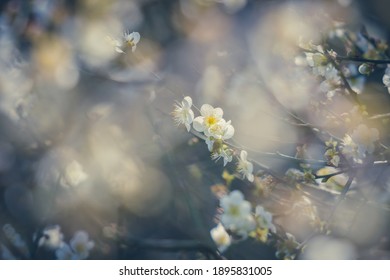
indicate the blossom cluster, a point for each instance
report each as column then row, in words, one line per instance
column 239, row 220
column 215, row 131
column 77, row 249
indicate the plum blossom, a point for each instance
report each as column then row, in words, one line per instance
column 225, row 153
column 264, row 219
column 128, row 40
column 245, row 167
column 237, row 213
column 209, row 117
column 221, row 237
column 77, row 249
column 183, row 113
column 221, row 130
column 51, row 237
column 81, row 245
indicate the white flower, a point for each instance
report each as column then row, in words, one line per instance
column 209, row 117
column 128, row 40
column 225, row 153
column 365, row 139
column 221, row 237
column 264, row 218
column 221, row 130
column 74, row 174
column 245, row 167
column 52, row 237
column 131, row 40
column 237, row 213
column 183, row 113
column 81, row 245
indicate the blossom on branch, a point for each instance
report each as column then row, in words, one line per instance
column 183, row 113
column 245, row 167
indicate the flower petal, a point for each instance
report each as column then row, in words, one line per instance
column 198, row 124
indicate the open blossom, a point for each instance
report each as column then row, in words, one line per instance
column 51, row 237
column 225, row 153
column 209, row 117
column 220, row 130
column 129, row 40
column 237, row 215
column 183, row 113
column 221, row 237
column 264, row 218
column 245, row 167
column 81, row 245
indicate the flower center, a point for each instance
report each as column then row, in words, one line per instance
column 210, row 120
column 234, row 210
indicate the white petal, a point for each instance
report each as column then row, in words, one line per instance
column 229, row 132
column 218, row 112
column 187, row 102
column 243, row 155
column 189, row 116
column 206, row 110
column 250, row 177
column 135, row 36
column 198, row 124
column 236, row 196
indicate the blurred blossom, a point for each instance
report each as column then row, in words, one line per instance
column 287, row 248
column 81, row 245
column 221, row 237
column 245, row 167
column 237, row 214
column 51, row 237
column 328, row 248
column 264, row 219
column 74, row 174
column 183, row 113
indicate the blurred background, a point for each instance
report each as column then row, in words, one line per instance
column 87, row 141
